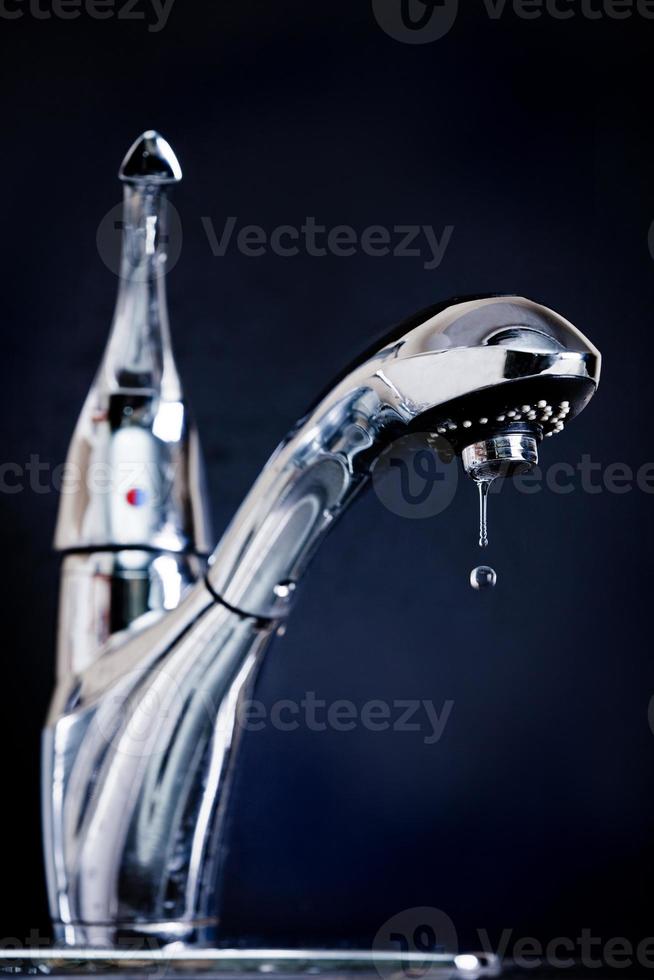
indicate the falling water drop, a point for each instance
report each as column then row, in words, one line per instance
column 483, row 577
column 483, row 487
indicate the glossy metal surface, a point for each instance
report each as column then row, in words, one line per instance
column 501, row 455
column 133, row 517
column 150, row 159
column 424, row 378
column 243, row 962
column 137, row 764
column 103, row 593
column 140, row 747
column 134, row 471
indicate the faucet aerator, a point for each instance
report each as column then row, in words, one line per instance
column 505, row 454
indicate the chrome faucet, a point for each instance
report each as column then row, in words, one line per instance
column 140, row 747
column 133, row 522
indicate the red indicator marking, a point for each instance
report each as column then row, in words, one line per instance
column 136, row 497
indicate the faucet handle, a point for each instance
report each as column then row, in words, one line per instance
column 133, row 517
column 150, row 160
column 134, row 429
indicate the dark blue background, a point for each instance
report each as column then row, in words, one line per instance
column 534, row 139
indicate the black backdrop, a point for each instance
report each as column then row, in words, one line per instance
column 533, row 139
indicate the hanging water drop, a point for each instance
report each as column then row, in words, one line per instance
column 483, row 486
column 483, row 577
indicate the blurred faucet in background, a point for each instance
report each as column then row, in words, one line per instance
column 133, row 522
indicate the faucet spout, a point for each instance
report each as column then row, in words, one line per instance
column 141, row 746
column 493, row 376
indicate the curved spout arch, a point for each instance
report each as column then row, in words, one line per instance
column 441, row 366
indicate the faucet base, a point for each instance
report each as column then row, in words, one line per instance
column 232, row 963
column 147, row 937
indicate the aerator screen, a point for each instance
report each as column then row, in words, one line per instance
column 540, row 407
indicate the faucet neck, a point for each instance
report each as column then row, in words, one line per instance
column 308, row 482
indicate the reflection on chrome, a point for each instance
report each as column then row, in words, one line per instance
column 178, row 960
column 141, row 743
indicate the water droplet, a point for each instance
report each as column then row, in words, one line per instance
column 483, row 487
column 483, row 577
column 284, row 590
